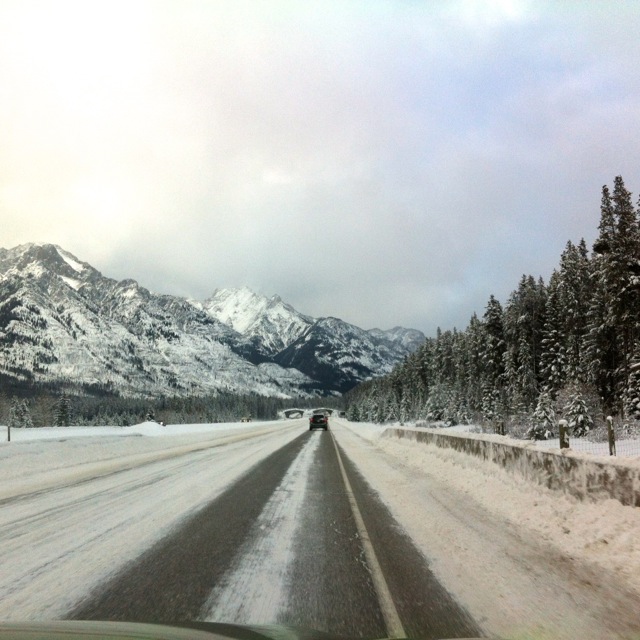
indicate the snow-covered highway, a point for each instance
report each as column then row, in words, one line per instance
column 254, row 524
column 65, row 529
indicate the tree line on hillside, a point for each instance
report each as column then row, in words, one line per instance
column 568, row 348
column 66, row 409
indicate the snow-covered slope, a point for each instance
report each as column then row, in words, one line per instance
column 338, row 353
column 268, row 324
column 333, row 352
column 62, row 321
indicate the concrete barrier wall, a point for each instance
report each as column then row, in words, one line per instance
column 575, row 474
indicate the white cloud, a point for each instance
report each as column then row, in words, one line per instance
column 489, row 14
column 438, row 148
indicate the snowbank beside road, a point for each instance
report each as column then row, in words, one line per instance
column 625, row 447
column 605, row 532
column 510, row 551
column 142, row 429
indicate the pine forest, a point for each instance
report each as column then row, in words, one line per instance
column 569, row 348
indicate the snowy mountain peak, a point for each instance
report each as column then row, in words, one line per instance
column 63, row 322
column 44, row 262
column 409, row 339
column 238, row 308
column 70, row 260
column 269, row 324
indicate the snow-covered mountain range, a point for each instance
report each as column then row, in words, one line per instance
column 63, row 322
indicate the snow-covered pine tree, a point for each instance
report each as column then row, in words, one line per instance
column 493, row 407
column 523, row 324
column 15, row 413
column 25, row 412
column 391, row 410
column 371, row 406
column 404, row 409
column 62, row 416
column 614, row 320
column 553, row 357
column 353, row 412
column 379, row 411
column 578, row 416
column 625, row 256
column 575, row 290
column 632, row 392
column 493, row 355
column 603, row 358
column 472, row 382
column 544, row 418
column 20, row 414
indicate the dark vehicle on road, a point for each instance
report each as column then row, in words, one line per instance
column 318, row 421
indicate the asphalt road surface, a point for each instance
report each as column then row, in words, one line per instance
column 299, row 539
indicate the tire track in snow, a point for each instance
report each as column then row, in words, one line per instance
column 173, row 579
column 255, row 588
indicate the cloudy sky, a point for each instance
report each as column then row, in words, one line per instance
column 384, row 162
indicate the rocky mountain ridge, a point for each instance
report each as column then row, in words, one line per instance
column 63, row 322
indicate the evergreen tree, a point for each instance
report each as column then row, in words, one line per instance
column 471, row 382
column 371, row 405
column 575, row 291
column 493, row 357
column 404, row 409
column 523, row 328
column 614, row 314
column 62, row 416
column 601, row 340
column 25, row 412
column 632, row 392
column 553, row 359
column 578, row 417
column 15, row 413
column 544, row 417
column 353, row 412
column 20, row 414
column 624, row 266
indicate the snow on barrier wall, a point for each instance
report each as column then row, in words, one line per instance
column 572, row 473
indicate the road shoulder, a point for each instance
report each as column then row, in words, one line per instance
column 513, row 583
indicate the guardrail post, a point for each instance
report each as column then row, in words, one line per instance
column 564, row 434
column 612, row 436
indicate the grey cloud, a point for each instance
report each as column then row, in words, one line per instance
column 388, row 163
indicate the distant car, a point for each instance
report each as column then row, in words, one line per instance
column 318, row 421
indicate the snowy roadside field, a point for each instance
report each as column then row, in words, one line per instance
column 49, row 455
column 150, row 429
